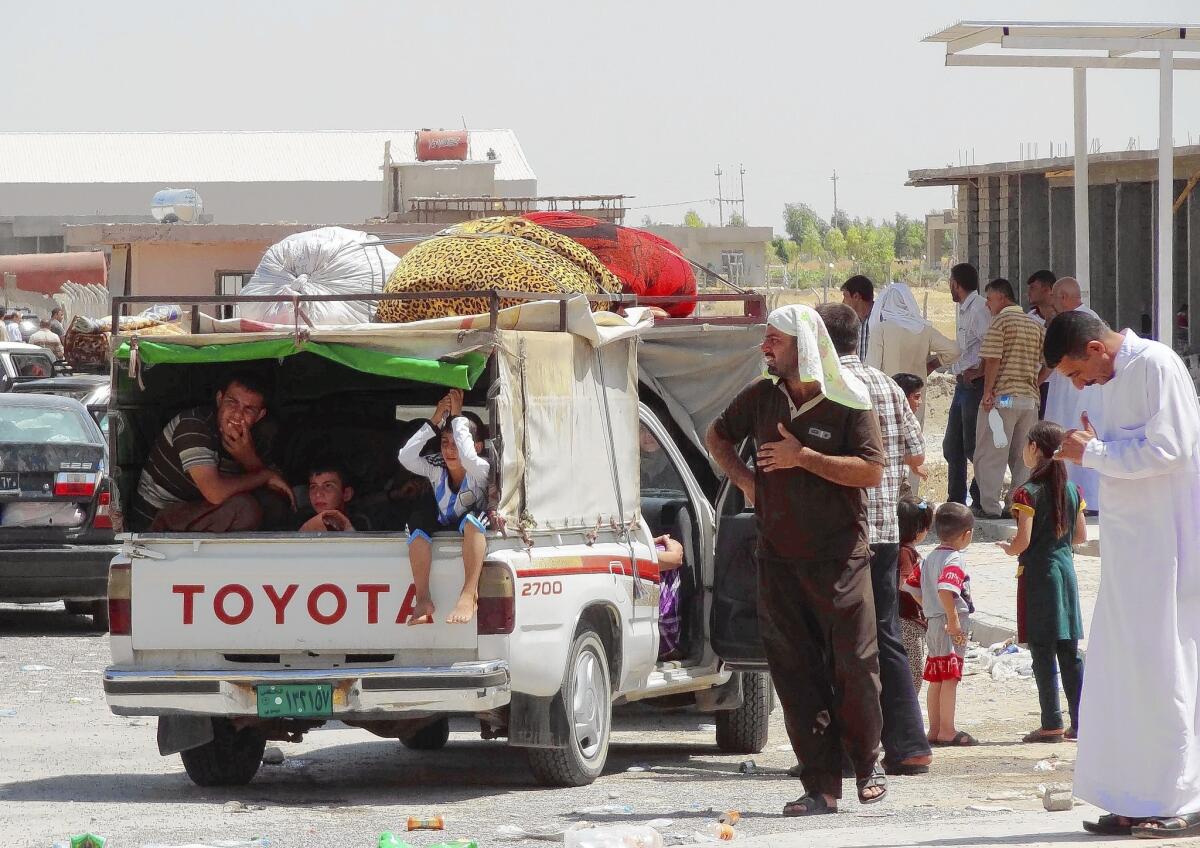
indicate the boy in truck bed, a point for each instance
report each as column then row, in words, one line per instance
column 459, row 500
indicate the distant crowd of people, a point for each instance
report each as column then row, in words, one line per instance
column 46, row 332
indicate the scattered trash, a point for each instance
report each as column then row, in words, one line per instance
column 272, row 756
column 748, row 767
column 78, row 700
column 730, row 817
column 1045, row 765
column 434, row 823
column 387, row 839
column 715, row 832
column 636, row 768
column 616, row 836
column 606, row 810
column 239, row 807
column 83, row 840
column 40, row 668
column 7, row 712
column 1058, row 800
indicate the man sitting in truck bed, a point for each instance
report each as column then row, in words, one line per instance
column 204, row 471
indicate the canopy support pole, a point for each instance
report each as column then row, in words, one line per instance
column 1166, row 185
column 1083, row 251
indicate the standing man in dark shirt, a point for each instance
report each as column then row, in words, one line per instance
column 818, row 450
column 204, row 469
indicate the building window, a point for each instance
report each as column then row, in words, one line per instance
column 733, row 265
column 230, row 283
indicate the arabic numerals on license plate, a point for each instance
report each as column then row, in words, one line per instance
column 312, row 701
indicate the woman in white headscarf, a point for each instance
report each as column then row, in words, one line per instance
column 902, row 341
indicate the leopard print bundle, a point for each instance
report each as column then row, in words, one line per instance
column 492, row 253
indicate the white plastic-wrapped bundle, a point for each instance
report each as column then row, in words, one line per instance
column 331, row 260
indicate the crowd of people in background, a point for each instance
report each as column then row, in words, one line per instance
column 46, row 332
column 1056, row 401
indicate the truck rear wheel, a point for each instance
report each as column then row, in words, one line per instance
column 431, row 737
column 232, row 757
column 586, row 697
column 744, row 730
column 99, row 613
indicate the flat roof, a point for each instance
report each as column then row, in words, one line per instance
column 177, row 159
column 957, row 174
column 85, row 235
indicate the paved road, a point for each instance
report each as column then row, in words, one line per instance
column 68, row 765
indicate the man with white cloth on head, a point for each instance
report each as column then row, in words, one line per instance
column 818, row 450
column 902, row 341
column 1139, row 752
column 1065, row 403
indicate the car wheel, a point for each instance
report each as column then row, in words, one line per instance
column 431, row 737
column 744, row 730
column 586, row 699
column 232, row 757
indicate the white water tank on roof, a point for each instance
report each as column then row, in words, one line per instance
column 177, row 206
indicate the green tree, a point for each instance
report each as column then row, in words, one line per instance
column 856, row 242
column 810, row 241
column 691, row 219
column 736, row 220
column 835, row 243
column 785, row 250
column 795, row 215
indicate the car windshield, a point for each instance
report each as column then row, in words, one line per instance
column 39, row 425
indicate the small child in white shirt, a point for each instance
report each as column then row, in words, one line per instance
column 459, row 501
column 943, row 588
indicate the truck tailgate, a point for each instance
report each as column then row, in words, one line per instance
column 267, row 593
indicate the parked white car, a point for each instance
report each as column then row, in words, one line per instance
column 236, row 639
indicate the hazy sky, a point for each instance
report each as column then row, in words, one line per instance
column 644, row 98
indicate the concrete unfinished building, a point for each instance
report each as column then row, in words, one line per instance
column 1017, row 217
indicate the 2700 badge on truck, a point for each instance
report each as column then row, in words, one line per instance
column 234, row 639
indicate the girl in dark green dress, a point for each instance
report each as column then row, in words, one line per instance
column 1049, row 513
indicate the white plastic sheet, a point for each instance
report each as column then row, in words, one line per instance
column 331, row 260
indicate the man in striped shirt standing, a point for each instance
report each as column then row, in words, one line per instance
column 1013, row 369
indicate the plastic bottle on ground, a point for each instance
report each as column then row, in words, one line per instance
column 715, row 832
column 434, row 823
column 615, row 836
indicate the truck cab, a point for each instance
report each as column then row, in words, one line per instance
column 239, row 638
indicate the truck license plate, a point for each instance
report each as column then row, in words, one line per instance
column 295, row 701
column 9, row 481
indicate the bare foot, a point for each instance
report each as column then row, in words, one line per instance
column 464, row 610
column 422, row 612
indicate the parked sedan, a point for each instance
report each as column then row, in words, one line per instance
column 56, row 530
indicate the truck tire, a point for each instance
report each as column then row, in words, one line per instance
column 99, row 613
column 431, row 737
column 586, row 699
column 744, row 730
column 232, row 757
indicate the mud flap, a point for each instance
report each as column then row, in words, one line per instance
column 535, row 722
column 727, row 696
column 182, row 733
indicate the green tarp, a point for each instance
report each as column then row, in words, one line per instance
column 460, row 373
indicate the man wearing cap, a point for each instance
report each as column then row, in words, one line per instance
column 818, row 449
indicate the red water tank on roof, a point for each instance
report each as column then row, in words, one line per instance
column 441, row 145
column 46, row 272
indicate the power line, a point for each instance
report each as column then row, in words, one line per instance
column 678, row 203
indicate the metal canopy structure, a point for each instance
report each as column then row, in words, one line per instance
column 1079, row 46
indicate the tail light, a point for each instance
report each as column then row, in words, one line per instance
column 103, row 519
column 120, row 610
column 497, row 613
column 74, row 484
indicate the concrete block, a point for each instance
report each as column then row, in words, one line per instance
column 1057, row 800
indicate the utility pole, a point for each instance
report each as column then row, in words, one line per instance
column 834, row 178
column 742, row 171
column 720, row 199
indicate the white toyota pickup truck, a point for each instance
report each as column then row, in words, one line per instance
column 236, row 639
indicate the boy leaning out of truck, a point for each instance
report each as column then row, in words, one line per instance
column 458, row 502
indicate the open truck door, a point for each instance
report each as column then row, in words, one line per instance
column 733, row 624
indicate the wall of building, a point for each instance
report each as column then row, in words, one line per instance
column 706, row 247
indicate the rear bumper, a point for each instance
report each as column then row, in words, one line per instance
column 55, row 572
column 358, row 693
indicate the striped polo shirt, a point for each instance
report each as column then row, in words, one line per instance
column 1016, row 340
column 189, row 440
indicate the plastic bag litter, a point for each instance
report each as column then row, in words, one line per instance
column 1003, row 661
column 331, row 260
column 548, row 833
column 615, row 836
column 1045, row 765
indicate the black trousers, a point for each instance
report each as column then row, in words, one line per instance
column 817, row 620
column 903, row 728
column 1070, row 667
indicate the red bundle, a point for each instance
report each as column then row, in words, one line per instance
column 647, row 265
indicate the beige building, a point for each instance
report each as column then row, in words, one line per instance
column 739, row 254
